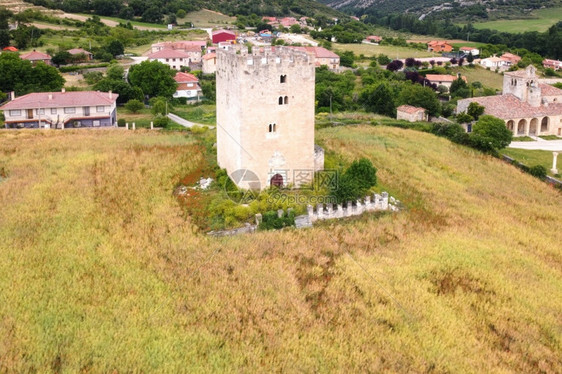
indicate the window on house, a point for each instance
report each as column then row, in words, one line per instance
column 53, row 110
column 40, row 111
column 272, row 127
column 167, row 60
column 69, row 110
column 280, row 100
column 14, row 113
column 283, row 78
column 286, row 100
column 100, row 109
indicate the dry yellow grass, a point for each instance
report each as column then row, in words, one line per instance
column 100, row 271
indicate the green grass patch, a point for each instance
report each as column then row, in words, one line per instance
column 205, row 113
column 478, row 74
column 207, row 18
column 549, row 137
column 523, row 139
column 532, row 157
column 133, row 22
column 544, row 19
column 373, row 50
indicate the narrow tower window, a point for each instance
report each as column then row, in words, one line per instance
column 283, row 78
column 280, row 100
column 286, row 99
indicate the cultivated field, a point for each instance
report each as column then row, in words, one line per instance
column 544, row 19
column 207, row 18
column 478, row 74
column 391, row 51
column 100, row 270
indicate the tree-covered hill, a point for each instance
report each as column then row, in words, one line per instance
column 456, row 9
column 156, row 10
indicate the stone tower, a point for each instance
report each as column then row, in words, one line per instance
column 524, row 85
column 265, row 116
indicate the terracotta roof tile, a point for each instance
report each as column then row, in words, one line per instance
column 60, row 99
column 35, row 56
column 509, row 107
column 185, row 77
column 168, row 53
column 409, row 109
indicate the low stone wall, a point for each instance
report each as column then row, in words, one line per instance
column 246, row 229
column 372, row 203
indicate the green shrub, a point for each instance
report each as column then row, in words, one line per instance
column 121, row 122
column 270, row 220
column 134, row 106
column 161, row 121
column 538, row 171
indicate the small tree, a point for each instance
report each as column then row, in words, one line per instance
column 470, row 58
column 459, row 88
column 475, row 110
column 134, row 106
column 490, row 134
column 464, row 118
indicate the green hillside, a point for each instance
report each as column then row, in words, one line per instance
column 100, row 271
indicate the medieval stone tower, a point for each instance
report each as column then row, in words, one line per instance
column 524, row 85
column 265, row 116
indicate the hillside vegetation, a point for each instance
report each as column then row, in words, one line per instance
column 101, row 272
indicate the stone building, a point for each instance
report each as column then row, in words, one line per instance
column 411, row 113
column 527, row 106
column 265, row 116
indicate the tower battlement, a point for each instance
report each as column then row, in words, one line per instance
column 240, row 56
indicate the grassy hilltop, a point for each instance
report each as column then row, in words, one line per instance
column 101, row 272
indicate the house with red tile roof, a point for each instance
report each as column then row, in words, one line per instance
column 175, row 59
column 61, row 110
column 439, row 46
column 79, row 51
column 527, row 106
column 323, row 57
column 194, row 48
column 510, row 58
column 411, row 113
column 188, row 86
column 10, row 49
column 36, row 57
column 443, row 79
column 467, row 50
column 373, row 39
column 552, row 64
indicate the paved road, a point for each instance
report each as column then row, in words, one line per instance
column 184, row 122
column 551, row 145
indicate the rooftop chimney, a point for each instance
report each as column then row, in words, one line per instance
column 12, row 95
column 110, row 94
column 50, row 96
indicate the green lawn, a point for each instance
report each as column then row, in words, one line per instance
column 487, row 77
column 545, row 18
column 134, row 23
column 391, row 51
column 204, row 114
column 532, row 157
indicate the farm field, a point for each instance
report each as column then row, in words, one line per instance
column 207, row 18
column 545, row 18
column 478, row 74
column 101, row 271
column 391, row 51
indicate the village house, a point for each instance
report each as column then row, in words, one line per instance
column 61, row 110
column 193, row 48
column 79, row 51
column 510, row 58
column 443, row 79
column 10, row 49
column 439, row 46
column 411, row 113
column 468, row 50
column 527, row 106
column 209, row 65
column 223, row 36
column 373, row 39
column 36, row 57
column 188, row 86
column 323, row 57
column 494, row 63
column 552, row 64
column 175, row 59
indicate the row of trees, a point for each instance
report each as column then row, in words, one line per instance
column 22, row 77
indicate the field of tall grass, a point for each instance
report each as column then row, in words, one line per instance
column 101, row 271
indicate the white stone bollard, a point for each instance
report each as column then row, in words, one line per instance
column 384, row 201
column 320, row 211
column 339, row 212
column 310, row 211
column 279, row 213
column 134, row 126
column 259, row 219
column 151, row 125
column 127, row 126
